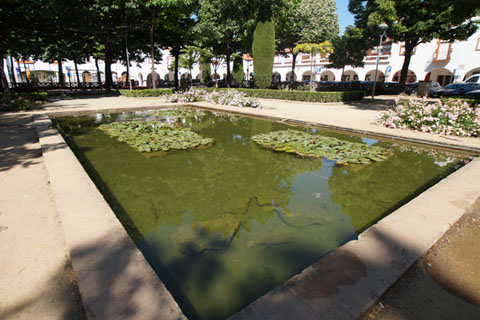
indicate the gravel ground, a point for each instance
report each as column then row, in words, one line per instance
column 444, row 283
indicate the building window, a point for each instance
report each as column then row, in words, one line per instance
column 402, row 50
column 443, row 51
column 477, row 48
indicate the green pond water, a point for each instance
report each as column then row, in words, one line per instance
column 222, row 225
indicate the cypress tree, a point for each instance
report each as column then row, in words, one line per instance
column 238, row 69
column 263, row 49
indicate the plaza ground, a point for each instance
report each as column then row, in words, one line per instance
column 37, row 278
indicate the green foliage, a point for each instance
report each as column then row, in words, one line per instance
column 308, row 145
column 179, row 112
column 320, row 22
column 314, row 48
column 348, row 50
column 21, row 101
column 413, row 22
column 307, row 96
column 146, row 92
column 263, row 49
column 148, row 136
column 238, row 69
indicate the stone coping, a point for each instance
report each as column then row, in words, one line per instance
column 115, row 280
column 341, row 285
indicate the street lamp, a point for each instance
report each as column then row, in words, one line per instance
column 384, row 28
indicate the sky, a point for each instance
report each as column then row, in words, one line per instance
column 345, row 18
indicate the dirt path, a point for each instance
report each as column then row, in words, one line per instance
column 36, row 280
column 444, row 283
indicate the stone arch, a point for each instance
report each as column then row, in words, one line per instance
column 215, row 76
column 370, row 75
column 149, row 80
column 350, row 75
column 441, row 75
column 307, row 75
column 199, row 76
column 276, row 77
column 471, row 73
column 411, row 76
column 186, row 75
column 327, row 76
column 289, row 74
column 87, row 77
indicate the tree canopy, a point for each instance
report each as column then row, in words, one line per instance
column 414, row 22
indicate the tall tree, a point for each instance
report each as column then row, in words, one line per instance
column 304, row 21
column 263, row 49
column 414, row 22
column 348, row 50
column 323, row 49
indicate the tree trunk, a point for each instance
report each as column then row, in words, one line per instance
column 343, row 73
column 229, row 76
column 12, row 67
column 152, row 48
column 76, row 71
column 61, row 79
column 292, row 75
column 175, row 76
column 3, row 79
column 108, row 63
column 409, row 46
column 99, row 75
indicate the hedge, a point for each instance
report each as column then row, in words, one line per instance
column 33, row 96
column 293, row 95
column 145, row 92
column 305, row 95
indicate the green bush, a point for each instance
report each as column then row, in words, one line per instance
column 305, row 95
column 263, row 50
column 146, row 92
column 238, row 69
column 473, row 103
column 22, row 101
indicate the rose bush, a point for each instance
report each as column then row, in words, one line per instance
column 451, row 117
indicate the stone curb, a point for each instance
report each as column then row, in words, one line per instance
column 346, row 282
column 115, row 280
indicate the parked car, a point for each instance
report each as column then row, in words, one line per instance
column 455, row 89
column 475, row 94
column 412, row 88
column 473, row 79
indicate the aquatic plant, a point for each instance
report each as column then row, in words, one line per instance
column 448, row 117
column 179, row 112
column 308, row 145
column 148, row 136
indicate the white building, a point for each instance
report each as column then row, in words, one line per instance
column 437, row 60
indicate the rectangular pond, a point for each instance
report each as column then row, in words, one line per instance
column 223, row 223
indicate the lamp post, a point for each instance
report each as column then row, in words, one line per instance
column 128, row 58
column 384, row 28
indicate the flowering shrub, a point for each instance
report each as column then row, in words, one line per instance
column 451, row 117
column 192, row 95
column 224, row 97
column 231, row 98
column 10, row 102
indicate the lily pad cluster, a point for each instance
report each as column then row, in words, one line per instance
column 179, row 112
column 308, row 145
column 148, row 136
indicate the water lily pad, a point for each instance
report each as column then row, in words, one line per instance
column 308, row 145
column 149, row 136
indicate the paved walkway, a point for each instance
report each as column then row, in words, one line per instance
column 32, row 242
